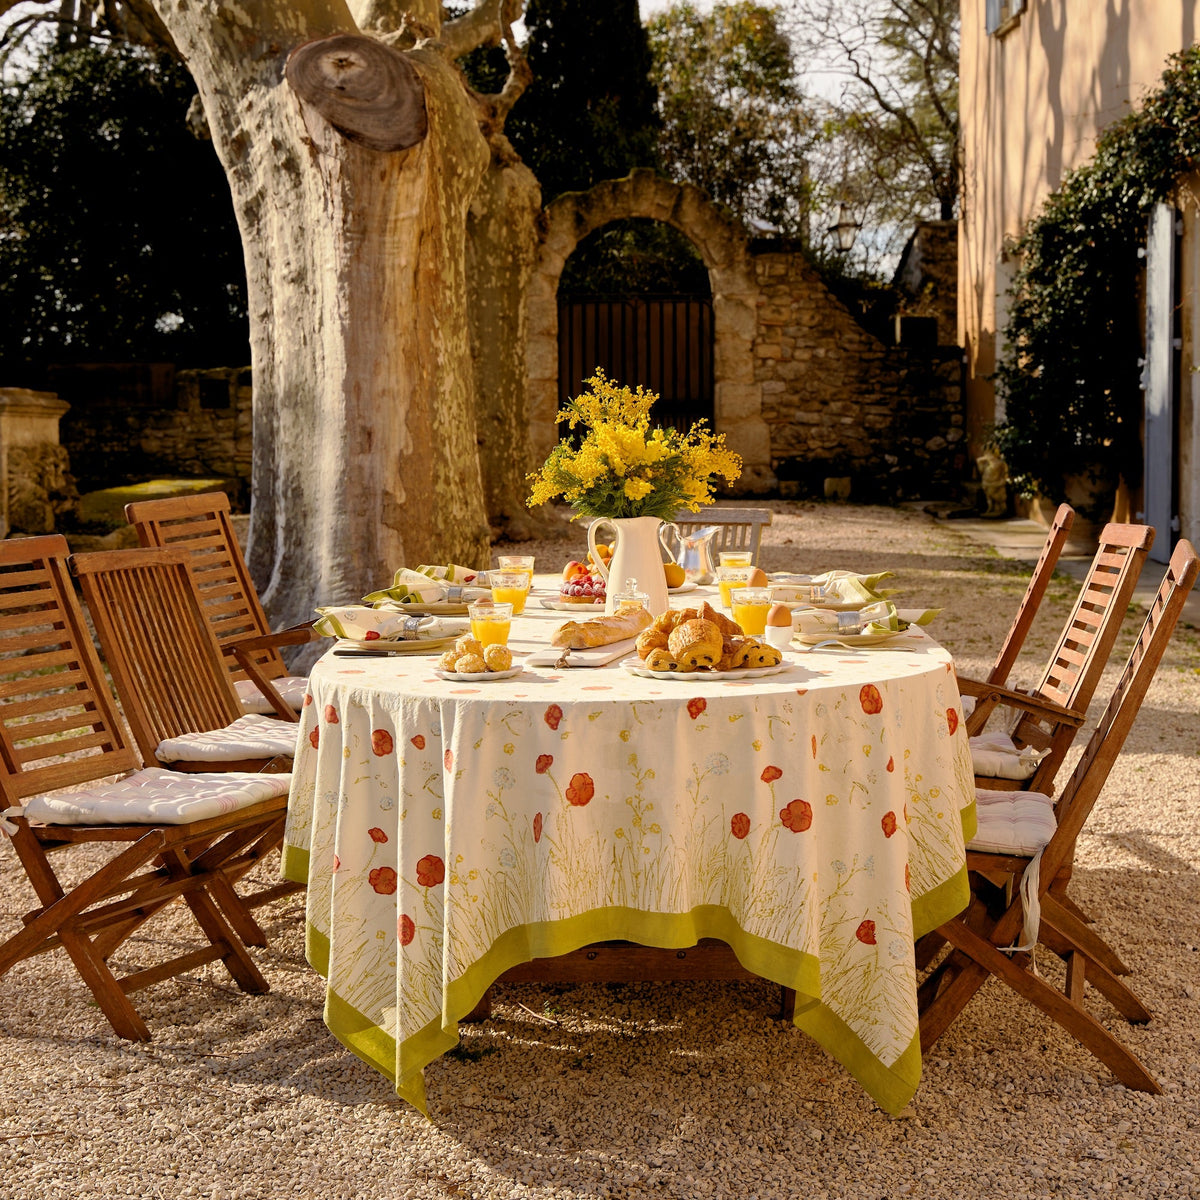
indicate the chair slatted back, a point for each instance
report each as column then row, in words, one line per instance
column 200, row 526
column 58, row 722
column 165, row 661
column 740, row 528
column 1039, row 581
column 1082, row 789
column 1078, row 660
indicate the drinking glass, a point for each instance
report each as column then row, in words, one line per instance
column 731, row 577
column 750, row 607
column 510, row 587
column 736, row 558
column 490, row 622
column 517, row 562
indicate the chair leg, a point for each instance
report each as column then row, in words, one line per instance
column 1087, row 939
column 105, row 986
column 1116, row 992
column 1075, row 1020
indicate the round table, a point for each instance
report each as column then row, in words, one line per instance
column 813, row 819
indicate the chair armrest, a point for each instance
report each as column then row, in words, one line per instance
column 293, row 635
column 990, row 694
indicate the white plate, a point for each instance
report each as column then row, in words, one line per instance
column 687, row 586
column 440, row 608
column 850, row 640
column 408, row 646
column 635, row 666
column 478, row 676
column 566, row 606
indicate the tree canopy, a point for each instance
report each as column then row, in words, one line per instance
column 589, row 113
column 117, row 237
column 734, row 117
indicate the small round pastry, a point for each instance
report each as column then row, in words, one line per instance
column 447, row 661
column 470, row 664
column 696, row 645
column 467, row 644
column 650, row 639
column 661, row 660
column 497, row 658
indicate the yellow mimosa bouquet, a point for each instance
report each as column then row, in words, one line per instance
column 621, row 467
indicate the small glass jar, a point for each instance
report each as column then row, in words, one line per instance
column 630, row 597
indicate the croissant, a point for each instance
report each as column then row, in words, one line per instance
column 695, row 644
column 650, row 639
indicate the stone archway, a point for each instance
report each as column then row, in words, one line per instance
column 721, row 244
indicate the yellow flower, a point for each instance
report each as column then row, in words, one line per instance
column 635, row 489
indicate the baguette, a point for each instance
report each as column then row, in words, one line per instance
column 601, row 631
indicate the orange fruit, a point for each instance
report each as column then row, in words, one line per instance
column 674, row 573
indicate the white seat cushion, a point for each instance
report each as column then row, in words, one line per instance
column 251, row 736
column 1012, row 822
column 996, row 755
column 156, row 796
column 291, row 688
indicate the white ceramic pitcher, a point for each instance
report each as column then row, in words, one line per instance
column 638, row 555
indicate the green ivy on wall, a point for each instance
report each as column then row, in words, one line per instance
column 1069, row 374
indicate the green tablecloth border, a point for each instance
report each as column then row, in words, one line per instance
column 293, row 865
column 890, row 1086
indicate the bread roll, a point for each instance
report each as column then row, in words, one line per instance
column 601, row 631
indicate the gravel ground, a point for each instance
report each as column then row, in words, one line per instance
column 654, row 1090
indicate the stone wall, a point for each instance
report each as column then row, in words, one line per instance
column 839, row 402
column 137, row 421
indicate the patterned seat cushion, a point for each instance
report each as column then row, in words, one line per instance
column 251, row 736
column 1012, row 822
column 997, row 756
column 155, row 796
column 291, row 688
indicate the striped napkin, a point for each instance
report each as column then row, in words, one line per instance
column 430, row 585
column 881, row 616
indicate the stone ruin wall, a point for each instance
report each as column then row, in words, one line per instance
column 840, row 403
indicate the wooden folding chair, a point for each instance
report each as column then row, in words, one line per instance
column 1029, row 753
column 172, row 837
column 1039, row 581
column 200, row 526
column 167, row 668
column 740, row 528
column 1024, row 839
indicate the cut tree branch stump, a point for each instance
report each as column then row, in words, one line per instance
column 367, row 91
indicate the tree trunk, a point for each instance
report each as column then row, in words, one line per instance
column 502, row 241
column 364, row 434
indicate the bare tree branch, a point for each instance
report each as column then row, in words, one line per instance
column 479, row 27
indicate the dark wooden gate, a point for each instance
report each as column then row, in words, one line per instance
column 663, row 343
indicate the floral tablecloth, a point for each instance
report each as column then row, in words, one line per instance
column 814, row 820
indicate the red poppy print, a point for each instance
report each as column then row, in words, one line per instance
column 337, row 863
column 544, row 763
column 405, row 929
column 951, row 720
column 307, row 699
column 372, row 635
column 907, row 879
column 739, row 825
column 383, row 880
column 430, row 871
column 580, row 790
column 797, row 816
column 418, row 740
column 889, row 824
column 553, row 716
column 891, row 764
column 381, row 742
column 448, row 760
column 331, row 717
column 537, row 828
column 376, row 834
column 866, row 933
column 314, row 737
column 696, row 706
column 814, row 745
column 870, row 699
column 770, row 774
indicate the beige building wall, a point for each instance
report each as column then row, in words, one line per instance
column 1033, row 97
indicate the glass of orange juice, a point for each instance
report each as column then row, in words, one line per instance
column 510, row 587
column 750, row 607
column 729, row 578
column 736, row 558
column 490, row 622
column 516, row 562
